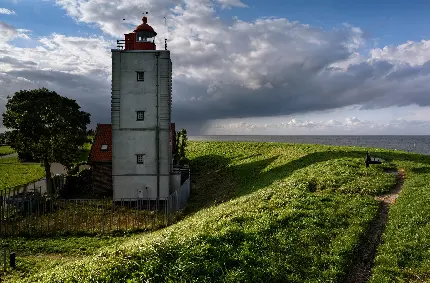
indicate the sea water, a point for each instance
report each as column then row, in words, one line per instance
column 417, row 144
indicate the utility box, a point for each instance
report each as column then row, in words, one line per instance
column 140, row 193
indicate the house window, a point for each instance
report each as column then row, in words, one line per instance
column 140, row 76
column 140, row 158
column 140, row 115
column 104, row 147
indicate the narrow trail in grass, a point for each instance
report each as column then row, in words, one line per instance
column 9, row 155
column 360, row 270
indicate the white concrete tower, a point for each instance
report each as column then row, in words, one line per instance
column 141, row 117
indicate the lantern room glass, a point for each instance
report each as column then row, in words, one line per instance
column 144, row 36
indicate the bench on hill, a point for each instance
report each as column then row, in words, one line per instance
column 371, row 160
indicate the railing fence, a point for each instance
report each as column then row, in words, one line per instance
column 32, row 212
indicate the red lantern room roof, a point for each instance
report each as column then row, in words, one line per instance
column 145, row 27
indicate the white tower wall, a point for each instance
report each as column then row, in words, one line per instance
column 131, row 137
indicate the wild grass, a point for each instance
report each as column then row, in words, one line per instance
column 404, row 255
column 5, row 150
column 269, row 212
column 47, row 252
column 258, row 212
column 14, row 173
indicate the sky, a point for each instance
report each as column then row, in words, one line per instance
column 327, row 67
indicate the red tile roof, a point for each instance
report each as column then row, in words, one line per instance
column 103, row 136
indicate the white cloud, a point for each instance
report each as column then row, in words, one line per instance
column 8, row 33
column 231, row 3
column 6, row 11
column 267, row 67
column 73, row 66
column 349, row 125
column 412, row 53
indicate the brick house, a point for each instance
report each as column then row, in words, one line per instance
column 100, row 159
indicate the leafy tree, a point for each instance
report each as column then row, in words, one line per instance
column 49, row 126
column 184, row 140
column 91, row 132
column 180, row 147
column 177, row 145
column 6, row 138
column 2, row 138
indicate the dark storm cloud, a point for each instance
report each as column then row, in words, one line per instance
column 307, row 90
column 72, row 82
column 15, row 63
column 268, row 67
column 92, row 94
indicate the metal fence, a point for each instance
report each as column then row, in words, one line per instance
column 177, row 201
column 36, row 187
column 31, row 213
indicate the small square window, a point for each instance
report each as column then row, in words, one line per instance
column 140, row 158
column 104, row 147
column 140, row 115
column 140, row 76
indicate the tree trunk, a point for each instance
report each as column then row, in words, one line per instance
column 48, row 177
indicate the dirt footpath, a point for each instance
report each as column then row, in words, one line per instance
column 362, row 264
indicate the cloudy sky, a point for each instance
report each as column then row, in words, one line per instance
column 240, row 66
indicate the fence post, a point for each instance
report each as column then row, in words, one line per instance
column 93, row 207
column 126, row 216
column 67, row 215
column 1, row 212
column 111, row 215
column 30, row 212
column 4, row 258
column 12, row 260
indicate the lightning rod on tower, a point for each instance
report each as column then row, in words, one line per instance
column 167, row 30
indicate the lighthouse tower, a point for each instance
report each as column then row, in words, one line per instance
column 141, row 117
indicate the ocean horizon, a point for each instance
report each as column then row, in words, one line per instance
column 410, row 143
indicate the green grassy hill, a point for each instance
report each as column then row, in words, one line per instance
column 14, row 173
column 5, row 150
column 270, row 212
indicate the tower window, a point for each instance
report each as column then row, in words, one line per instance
column 140, row 76
column 140, row 115
column 140, row 158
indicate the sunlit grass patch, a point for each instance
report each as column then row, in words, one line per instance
column 33, row 254
column 404, row 255
column 268, row 212
column 14, row 173
column 258, row 212
column 5, row 150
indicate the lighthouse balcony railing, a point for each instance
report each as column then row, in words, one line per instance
column 120, row 43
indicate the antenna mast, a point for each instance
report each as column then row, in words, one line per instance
column 167, row 31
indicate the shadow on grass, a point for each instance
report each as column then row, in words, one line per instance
column 214, row 181
column 421, row 170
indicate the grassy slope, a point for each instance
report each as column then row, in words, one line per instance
column 404, row 255
column 289, row 212
column 38, row 253
column 5, row 150
column 13, row 173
